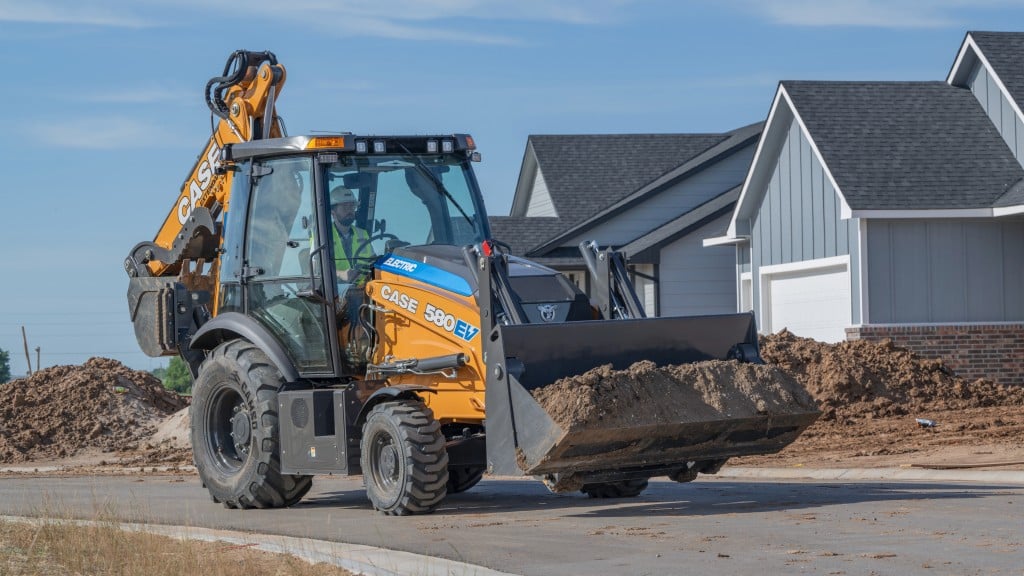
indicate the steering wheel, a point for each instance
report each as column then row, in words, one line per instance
column 377, row 236
column 361, row 263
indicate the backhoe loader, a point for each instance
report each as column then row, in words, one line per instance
column 416, row 371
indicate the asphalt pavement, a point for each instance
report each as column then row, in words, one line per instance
column 883, row 521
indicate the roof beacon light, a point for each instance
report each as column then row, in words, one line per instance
column 378, row 147
column 431, row 146
column 447, row 146
column 326, row 142
column 470, row 144
column 361, row 146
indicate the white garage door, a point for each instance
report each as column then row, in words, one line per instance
column 813, row 303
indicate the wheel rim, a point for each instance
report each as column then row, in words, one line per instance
column 385, row 463
column 230, row 430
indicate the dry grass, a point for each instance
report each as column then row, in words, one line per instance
column 57, row 548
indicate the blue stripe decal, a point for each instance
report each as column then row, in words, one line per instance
column 424, row 273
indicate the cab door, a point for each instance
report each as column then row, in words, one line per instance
column 282, row 273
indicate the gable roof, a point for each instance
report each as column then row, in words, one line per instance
column 522, row 233
column 905, row 145
column 728, row 144
column 643, row 249
column 1003, row 54
column 586, row 173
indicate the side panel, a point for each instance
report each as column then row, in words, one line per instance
column 697, row 280
column 942, row 271
column 418, row 321
column 318, row 432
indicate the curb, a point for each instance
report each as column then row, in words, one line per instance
column 357, row 558
column 902, row 474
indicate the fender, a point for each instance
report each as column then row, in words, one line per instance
column 231, row 325
column 402, row 391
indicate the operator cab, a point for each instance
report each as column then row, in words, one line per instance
column 282, row 242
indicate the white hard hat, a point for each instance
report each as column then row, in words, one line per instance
column 342, row 195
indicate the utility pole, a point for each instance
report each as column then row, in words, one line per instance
column 28, row 359
column 39, row 365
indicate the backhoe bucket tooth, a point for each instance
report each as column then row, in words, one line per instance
column 524, row 439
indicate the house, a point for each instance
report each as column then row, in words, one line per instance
column 894, row 210
column 654, row 196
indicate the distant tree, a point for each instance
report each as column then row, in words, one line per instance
column 176, row 376
column 160, row 373
column 5, row 366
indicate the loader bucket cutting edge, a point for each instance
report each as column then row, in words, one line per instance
column 523, row 438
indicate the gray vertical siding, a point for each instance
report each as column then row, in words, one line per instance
column 799, row 218
column 940, row 271
column 697, row 280
column 999, row 110
column 540, row 198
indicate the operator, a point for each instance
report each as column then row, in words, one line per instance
column 352, row 252
column 352, row 249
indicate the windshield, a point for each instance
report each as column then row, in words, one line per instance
column 405, row 200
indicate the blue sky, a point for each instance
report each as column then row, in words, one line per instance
column 102, row 110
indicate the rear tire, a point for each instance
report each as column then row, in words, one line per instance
column 235, row 444
column 621, row 489
column 403, row 457
column 462, row 478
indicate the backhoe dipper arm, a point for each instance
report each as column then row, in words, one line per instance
column 242, row 102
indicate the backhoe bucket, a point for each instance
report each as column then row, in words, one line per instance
column 522, row 438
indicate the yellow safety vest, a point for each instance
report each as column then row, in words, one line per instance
column 344, row 256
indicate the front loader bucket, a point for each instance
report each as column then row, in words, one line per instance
column 658, row 433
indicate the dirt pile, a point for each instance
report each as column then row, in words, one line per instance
column 62, row 411
column 646, row 393
column 862, row 379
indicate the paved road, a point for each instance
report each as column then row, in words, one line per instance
column 714, row 526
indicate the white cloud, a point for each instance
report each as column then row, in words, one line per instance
column 109, row 133
column 566, row 11
column 424, row 20
column 456, row 21
column 143, row 95
column 871, row 13
column 83, row 13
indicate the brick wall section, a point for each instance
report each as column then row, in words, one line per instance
column 992, row 351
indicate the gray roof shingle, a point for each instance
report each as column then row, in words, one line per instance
column 1005, row 52
column 906, row 145
column 586, row 173
column 523, row 233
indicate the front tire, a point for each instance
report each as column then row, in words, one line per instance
column 403, row 457
column 235, row 443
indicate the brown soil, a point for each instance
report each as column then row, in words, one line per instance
column 65, row 411
column 872, row 396
column 648, row 394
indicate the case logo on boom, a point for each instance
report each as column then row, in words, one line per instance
column 199, row 184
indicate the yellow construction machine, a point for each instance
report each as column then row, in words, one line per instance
column 400, row 342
